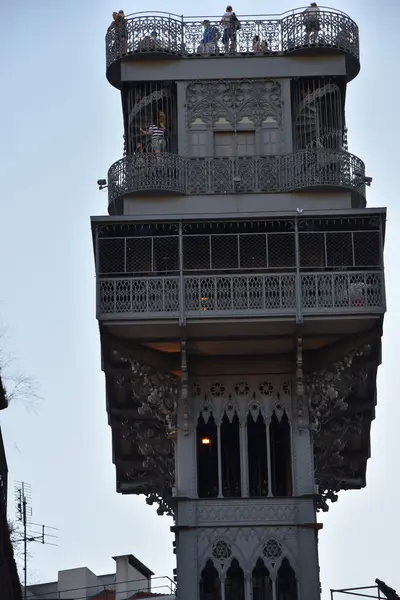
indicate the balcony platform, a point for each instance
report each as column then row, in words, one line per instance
column 165, row 36
column 171, row 174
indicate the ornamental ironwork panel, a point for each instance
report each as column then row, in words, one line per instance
column 351, row 291
column 234, row 100
column 230, row 294
column 183, row 175
column 240, row 293
column 328, row 29
column 147, row 172
column 163, row 33
column 139, row 296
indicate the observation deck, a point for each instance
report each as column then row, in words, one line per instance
column 166, row 36
column 171, row 174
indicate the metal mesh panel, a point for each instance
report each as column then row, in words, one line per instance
column 339, row 249
column 166, row 254
column 139, row 255
column 312, row 250
column 196, row 253
column 253, row 251
column 281, row 251
column 111, row 255
column 367, row 249
column 224, row 252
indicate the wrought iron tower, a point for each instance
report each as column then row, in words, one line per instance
column 240, row 290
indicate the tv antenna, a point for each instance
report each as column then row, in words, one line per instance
column 31, row 532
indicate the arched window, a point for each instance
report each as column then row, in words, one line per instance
column 286, row 583
column 230, row 456
column 234, row 582
column 210, row 584
column 262, row 582
column 281, row 456
column 207, row 458
column 257, row 455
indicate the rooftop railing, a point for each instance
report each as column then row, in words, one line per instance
column 160, row 586
column 173, row 35
column 170, row 173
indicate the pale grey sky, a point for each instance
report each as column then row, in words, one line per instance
column 61, row 130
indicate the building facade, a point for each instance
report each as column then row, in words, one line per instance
column 240, row 291
column 10, row 586
column 131, row 580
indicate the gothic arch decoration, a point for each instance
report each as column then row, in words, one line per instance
column 220, row 550
column 210, row 582
column 234, row 100
column 251, row 394
column 222, row 553
column 273, row 550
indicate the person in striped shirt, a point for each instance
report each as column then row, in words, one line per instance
column 157, row 132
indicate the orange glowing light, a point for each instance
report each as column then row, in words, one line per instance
column 206, row 441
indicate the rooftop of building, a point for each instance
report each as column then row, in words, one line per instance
column 167, row 35
column 132, row 579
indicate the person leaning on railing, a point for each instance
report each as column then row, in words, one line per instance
column 231, row 26
column 311, row 21
column 118, row 24
column 209, row 42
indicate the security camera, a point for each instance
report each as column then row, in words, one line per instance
column 364, row 178
column 101, row 182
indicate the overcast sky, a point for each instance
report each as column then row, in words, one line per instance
column 61, row 128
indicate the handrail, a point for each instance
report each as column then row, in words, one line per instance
column 247, row 294
column 264, row 174
column 93, row 590
column 261, row 16
column 180, row 36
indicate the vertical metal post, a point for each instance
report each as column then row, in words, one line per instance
column 243, row 461
column 219, row 461
column 269, row 468
column 182, row 308
column 299, row 302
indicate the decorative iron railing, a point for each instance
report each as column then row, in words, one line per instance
column 244, row 294
column 177, row 174
column 164, row 33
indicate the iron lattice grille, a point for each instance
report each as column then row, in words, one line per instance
column 149, row 105
column 241, row 267
column 241, row 294
column 340, row 250
column 318, row 113
column 246, row 252
column 210, row 175
column 183, row 36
